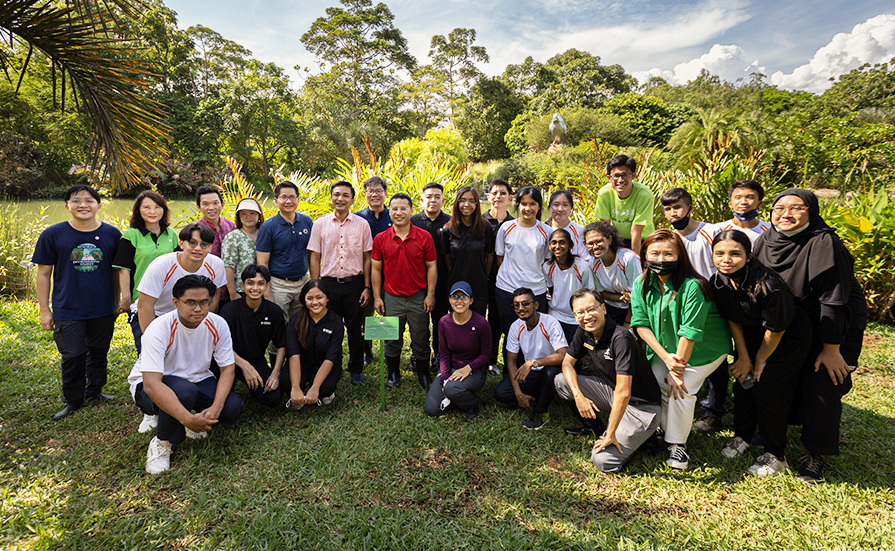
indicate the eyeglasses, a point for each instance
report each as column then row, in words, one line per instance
column 589, row 310
column 193, row 244
column 288, row 198
column 460, row 296
column 77, row 202
column 377, row 191
column 192, row 304
column 520, row 305
column 795, row 209
column 622, row 176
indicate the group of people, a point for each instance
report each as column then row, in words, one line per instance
column 612, row 317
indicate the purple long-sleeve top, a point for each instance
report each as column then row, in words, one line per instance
column 459, row 345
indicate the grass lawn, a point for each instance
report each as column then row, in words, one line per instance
column 349, row 476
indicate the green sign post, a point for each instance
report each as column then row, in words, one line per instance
column 378, row 328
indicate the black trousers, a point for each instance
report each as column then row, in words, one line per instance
column 618, row 315
column 539, row 384
column 344, row 299
column 308, row 373
column 441, row 308
column 272, row 398
column 84, row 347
column 716, row 383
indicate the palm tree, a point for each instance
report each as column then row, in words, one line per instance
column 708, row 131
column 85, row 41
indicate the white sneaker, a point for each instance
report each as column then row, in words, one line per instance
column 735, row 447
column 328, row 400
column 678, row 458
column 768, row 465
column 158, row 456
column 195, row 435
column 148, row 423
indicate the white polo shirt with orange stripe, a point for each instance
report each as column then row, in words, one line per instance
column 545, row 339
column 753, row 233
column 171, row 348
column 699, row 248
column 523, row 250
column 619, row 277
column 564, row 283
column 163, row 272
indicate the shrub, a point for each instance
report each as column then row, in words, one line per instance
column 18, row 235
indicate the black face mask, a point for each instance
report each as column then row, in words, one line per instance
column 682, row 223
column 746, row 216
column 660, row 267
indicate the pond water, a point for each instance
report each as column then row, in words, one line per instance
column 181, row 210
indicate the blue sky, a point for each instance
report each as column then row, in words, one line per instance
column 798, row 44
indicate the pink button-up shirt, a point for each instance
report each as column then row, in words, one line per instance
column 341, row 244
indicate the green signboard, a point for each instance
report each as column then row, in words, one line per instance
column 381, row 328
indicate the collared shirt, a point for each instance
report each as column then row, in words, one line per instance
column 226, row 227
column 564, row 283
column 752, row 233
column 377, row 225
column 341, row 244
column 322, row 342
column 680, row 313
column 617, row 352
column 435, row 227
column 287, row 244
column 159, row 278
column 138, row 248
column 468, row 257
column 699, row 248
column 544, row 339
column 404, row 260
column 619, row 277
column 253, row 330
column 237, row 252
column 492, row 275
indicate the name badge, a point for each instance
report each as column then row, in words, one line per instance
column 325, row 330
column 588, row 346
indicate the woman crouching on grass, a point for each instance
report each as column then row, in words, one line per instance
column 314, row 347
column 771, row 337
column 672, row 311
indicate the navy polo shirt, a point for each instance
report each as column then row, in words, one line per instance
column 377, row 225
column 287, row 244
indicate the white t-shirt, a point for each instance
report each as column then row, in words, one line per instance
column 523, row 250
column 753, row 233
column 545, row 339
column 699, row 248
column 163, row 272
column 171, row 348
column 619, row 277
column 576, row 230
column 564, row 283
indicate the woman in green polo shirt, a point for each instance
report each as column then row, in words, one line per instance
column 672, row 311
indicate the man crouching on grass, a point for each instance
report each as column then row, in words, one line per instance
column 172, row 376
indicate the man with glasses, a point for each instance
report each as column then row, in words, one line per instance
column 76, row 256
column 162, row 273
column 339, row 253
column 376, row 214
column 542, row 343
column 282, row 247
column 626, row 204
column 172, row 377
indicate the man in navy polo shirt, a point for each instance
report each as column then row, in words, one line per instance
column 282, row 247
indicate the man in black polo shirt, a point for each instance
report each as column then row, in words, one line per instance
column 622, row 382
column 254, row 323
column 432, row 219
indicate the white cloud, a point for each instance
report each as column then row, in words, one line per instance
column 872, row 41
column 727, row 61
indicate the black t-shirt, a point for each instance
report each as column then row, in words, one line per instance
column 252, row 330
column 468, row 258
column 435, row 228
column 323, row 341
column 617, row 353
column 495, row 225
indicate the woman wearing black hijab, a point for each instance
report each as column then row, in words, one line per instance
column 819, row 270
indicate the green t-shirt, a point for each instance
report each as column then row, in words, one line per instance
column 624, row 213
column 137, row 249
column 685, row 313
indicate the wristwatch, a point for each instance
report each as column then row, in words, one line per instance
column 534, row 363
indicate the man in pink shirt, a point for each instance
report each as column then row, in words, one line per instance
column 211, row 203
column 339, row 254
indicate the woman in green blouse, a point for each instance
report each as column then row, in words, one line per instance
column 238, row 247
column 672, row 311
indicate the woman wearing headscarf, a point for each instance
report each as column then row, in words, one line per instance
column 814, row 263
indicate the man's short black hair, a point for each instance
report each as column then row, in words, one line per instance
column 205, row 233
column 621, row 160
column 432, row 185
column 748, row 184
column 192, row 281
column 401, row 195
column 674, row 195
column 205, row 190
column 254, row 269
column 344, row 184
column 284, row 184
column 499, row 182
column 583, row 291
column 524, row 291
column 78, row 188
column 375, row 181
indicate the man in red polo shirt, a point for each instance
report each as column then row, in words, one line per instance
column 404, row 276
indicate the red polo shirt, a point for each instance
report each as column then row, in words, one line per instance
column 404, row 260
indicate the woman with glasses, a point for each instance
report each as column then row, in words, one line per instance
column 468, row 244
column 238, row 247
column 464, row 351
column 314, row 348
column 148, row 238
column 566, row 273
column 819, row 271
column 615, row 269
column 672, row 311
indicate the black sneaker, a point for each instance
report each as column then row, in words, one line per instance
column 678, row 458
column 708, row 425
column 811, row 468
column 357, row 379
column 434, row 365
column 535, row 421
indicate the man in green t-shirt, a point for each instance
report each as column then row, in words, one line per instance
column 626, row 204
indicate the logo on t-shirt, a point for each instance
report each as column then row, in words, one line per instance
column 86, row 257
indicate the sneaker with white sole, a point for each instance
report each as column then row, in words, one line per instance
column 535, row 421
column 148, row 423
column 328, row 400
column 768, row 465
column 158, row 456
column 735, row 447
column 192, row 435
column 678, row 458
